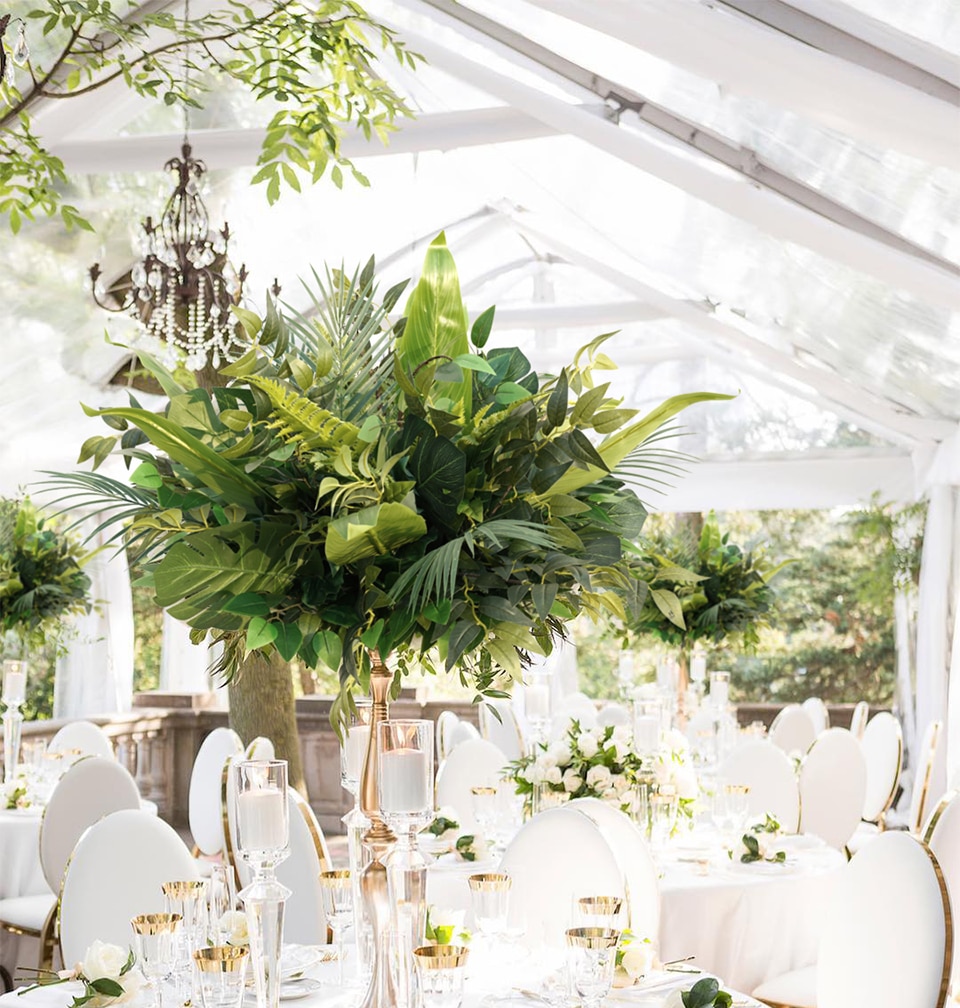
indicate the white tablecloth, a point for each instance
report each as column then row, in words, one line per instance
column 20, row 875
column 745, row 923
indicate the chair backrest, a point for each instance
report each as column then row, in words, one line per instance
column 504, row 732
column 463, row 731
column 116, row 872
column 556, row 856
column 261, row 748
column 942, row 835
column 884, row 934
column 580, row 706
column 304, row 922
column 882, row 745
column 926, row 761
column 793, row 730
column 205, row 813
column 89, row 790
column 819, row 715
column 769, row 773
column 613, row 714
column 640, row 872
column 859, row 718
column 833, row 781
column 89, row 738
column 447, row 720
column 474, row 763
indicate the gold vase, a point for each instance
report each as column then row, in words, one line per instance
column 378, row 839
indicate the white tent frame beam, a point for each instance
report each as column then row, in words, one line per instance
column 829, row 38
column 751, row 59
column 689, row 169
column 774, row 366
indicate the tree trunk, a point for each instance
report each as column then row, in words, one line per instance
column 261, row 703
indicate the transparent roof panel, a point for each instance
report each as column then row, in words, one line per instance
column 934, row 21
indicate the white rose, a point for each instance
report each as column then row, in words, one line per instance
column 675, row 741
column 103, row 960
column 674, row 999
column 560, row 752
column 685, row 781
column 599, row 777
column 623, row 736
column 234, row 924
column 571, row 781
column 553, row 775
column 664, row 773
column 546, row 760
column 588, row 744
column 621, row 783
column 610, row 795
column 535, row 774
column 638, row 959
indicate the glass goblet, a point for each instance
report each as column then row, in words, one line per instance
column 440, row 974
column 156, row 940
column 489, row 899
column 337, row 891
column 221, row 971
column 599, row 911
column 188, row 900
column 485, row 810
column 591, row 961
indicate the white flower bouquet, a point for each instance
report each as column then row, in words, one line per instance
column 107, row 975
column 759, row 843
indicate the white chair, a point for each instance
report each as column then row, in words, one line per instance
column 115, row 873
column 769, row 773
column 90, row 789
column 818, row 713
column 206, row 780
column 792, row 730
column 882, row 745
column 640, row 872
column 304, row 922
column 942, row 835
column 261, row 748
column 859, row 718
column 499, row 725
column 577, row 706
column 833, row 780
column 473, row 763
column 921, row 796
column 556, row 856
column 884, row 938
column 447, row 720
column 85, row 736
column 463, row 731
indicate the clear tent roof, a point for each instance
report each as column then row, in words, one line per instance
column 744, row 226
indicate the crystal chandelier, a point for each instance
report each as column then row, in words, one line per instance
column 182, row 291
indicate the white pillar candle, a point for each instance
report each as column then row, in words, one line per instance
column 405, row 781
column 698, row 668
column 260, row 818
column 355, row 750
column 536, row 701
column 14, row 685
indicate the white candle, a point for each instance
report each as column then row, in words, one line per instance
column 355, row 751
column 261, row 818
column 14, row 685
column 536, row 701
column 405, row 781
column 698, row 668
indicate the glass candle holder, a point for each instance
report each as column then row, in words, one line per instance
column 719, row 689
column 537, row 702
column 405, row 773
column 263, row 825
column 14, row 693
column 353, row 753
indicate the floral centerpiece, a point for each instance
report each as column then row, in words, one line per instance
column 41, row 575
column 364, row 484
column 107, row 975
column 760, row 843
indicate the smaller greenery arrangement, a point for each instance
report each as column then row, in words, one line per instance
column 16, row 794
column 470, row 847
column 759, row 843
column 445, row 927
column 636, row 957
column 705, row 993
column 41, row 574
column 107, row 975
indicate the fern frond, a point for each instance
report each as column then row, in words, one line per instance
column 302, row 421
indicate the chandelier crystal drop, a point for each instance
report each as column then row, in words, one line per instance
column 182, row 290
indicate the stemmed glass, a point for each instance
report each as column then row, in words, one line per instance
column 221, row 900
column 591, row 960
column 156, row 940
column 489, row 898
column 485, row 810
column 599, row 911
column 536, row 703
column 338, row 906
column 186, row 900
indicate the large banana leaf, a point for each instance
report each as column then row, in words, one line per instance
column 436, row 324
column 202, row 462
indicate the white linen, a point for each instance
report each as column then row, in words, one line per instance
column 21, row 875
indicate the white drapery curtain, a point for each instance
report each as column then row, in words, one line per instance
column 184, row 665
column 95, row 675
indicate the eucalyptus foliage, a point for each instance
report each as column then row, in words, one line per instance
column 314, row 63
column 366, row 485
column 41, row 575
column 707, row 590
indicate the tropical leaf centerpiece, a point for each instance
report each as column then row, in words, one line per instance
column 41, row 575
column 357, row 485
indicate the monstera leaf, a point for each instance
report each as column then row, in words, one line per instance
column 373, row 531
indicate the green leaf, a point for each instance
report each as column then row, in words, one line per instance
column 146, row 475
column 473, row 362
column 288, row 640
column 248, row 604
column 669, row 605
column 370, row 532
column 557, row 403
column 260, row 633
column 439, row 468
column 107, row 986
column 482, row 326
